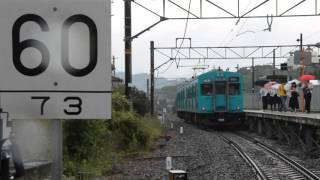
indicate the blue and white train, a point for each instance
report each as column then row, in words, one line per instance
column 213, row 98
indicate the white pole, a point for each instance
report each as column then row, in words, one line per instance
column 168, row 163
column 181, row 130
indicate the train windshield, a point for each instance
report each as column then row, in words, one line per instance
column 206, row 89
column 220, row 87
column 234, row 89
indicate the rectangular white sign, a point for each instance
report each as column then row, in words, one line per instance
column 55, row 59
column 49, row 105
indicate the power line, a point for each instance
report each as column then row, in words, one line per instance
column 307, row 37
column 236, row 25
column 184, row 35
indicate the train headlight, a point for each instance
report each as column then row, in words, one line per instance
column 203, row 108
column 238, row 108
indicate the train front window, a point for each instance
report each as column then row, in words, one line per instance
column 220, row 88
column 206, row 89
column 234, row 89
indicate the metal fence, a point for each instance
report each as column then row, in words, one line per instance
column 253, row 100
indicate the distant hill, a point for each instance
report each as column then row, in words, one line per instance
column 140, row 81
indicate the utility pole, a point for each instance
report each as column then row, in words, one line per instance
column 274, row 65
column 152, row 76
column 148, row 88
column 114, row 66
column 301, row 67
column 128, row 51
column 301, row 56
column 252, row 76
column 252, row 83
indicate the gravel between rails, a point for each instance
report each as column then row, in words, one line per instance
column 202, row 154
column 310, row 161
column 272, row 166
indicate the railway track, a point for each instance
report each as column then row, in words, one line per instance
column 265, row 161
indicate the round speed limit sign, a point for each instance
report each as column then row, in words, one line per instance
column 55, row 59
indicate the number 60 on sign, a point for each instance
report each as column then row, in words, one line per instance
column 55, row 59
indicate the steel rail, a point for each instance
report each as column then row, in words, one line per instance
column 304, row 171
column 253, row 165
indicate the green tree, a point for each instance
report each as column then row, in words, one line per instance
column 140, row 102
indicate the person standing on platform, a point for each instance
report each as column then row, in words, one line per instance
column 294, row 102
column 263, row 93
column 283, row 96
column 273, row 99
column 307, row 93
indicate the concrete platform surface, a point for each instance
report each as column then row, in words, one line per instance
column 312, row 119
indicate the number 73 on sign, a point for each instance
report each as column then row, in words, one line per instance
column 55, row 59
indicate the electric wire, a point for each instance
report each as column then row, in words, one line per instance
column 184, row 35
column 307, row 37
column 233, row 28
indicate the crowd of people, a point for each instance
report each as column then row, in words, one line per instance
column 281, row 97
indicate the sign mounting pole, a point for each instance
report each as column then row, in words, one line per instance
column 57, row 156
column 57, row 146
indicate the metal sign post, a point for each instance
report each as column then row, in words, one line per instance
column 57, row 160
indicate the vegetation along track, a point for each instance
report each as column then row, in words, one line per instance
column 266, row 162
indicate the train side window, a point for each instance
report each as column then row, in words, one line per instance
column 206, row 89
column 234, row 89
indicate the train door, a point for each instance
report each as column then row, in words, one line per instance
column 220, row 96
column 235, row 97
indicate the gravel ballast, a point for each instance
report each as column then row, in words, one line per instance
column 202, row 154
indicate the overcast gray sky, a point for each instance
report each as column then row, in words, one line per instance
column 209, row 32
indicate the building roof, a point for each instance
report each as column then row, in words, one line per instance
column 116, row 79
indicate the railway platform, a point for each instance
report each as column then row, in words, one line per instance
column 295, row 128
column 312, row 119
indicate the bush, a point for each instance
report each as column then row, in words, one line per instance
column 134, row 133
column 94, row 146
column 86, row 146
column 140, row 102
column 119, row 102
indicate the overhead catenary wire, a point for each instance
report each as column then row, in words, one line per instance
column 232, row 29
column 184, row 35
column 177, row 61
column 305, row 38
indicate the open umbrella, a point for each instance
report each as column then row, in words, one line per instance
column 288, row 85
column 315, row 82
column 307, row 77
column 269, row 84
column 275, row 86
column 261, row 82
